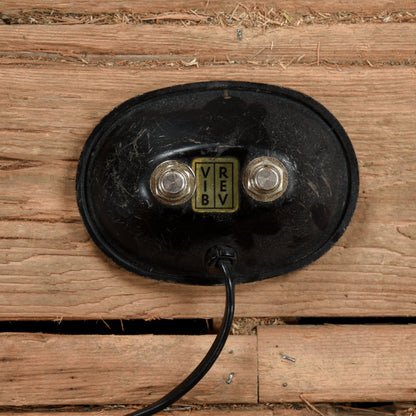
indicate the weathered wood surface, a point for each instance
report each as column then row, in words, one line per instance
column 183, row 411
column 317, row 363
column 58, row 81
column 339, row 44
column 53, row 271
column 48, row 111
column 397, row 409
column 40, row 369
column 278, row 410
column 49, row 268
column 140, row 6
column 337, row 363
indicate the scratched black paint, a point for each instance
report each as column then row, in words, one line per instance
column 217, row 119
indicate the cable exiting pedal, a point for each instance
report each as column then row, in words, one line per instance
column 225, row 265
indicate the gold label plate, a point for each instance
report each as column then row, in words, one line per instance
column 216, row 184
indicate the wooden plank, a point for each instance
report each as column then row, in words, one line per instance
column 46, row 191
column 50, row 269
column 40, row 369
column 397, row 409
column 51, row 187
column 337, row 363
column 43, row 104
column 336, row 43
column 157, row 6
column 181, row 411
column 48, row 112
column 401, row 409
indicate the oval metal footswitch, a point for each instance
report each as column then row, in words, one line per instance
column 263, row 170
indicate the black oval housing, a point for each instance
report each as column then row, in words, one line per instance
column 217, row 119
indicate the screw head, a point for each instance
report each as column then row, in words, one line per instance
column 265, row 179
column 172, row 182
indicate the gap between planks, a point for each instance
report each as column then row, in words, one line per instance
column 337, row 44
column 157, row 6
column 240, row 17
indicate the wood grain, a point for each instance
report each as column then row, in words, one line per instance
column 49, row 111
column 181, row 411
column 321, row 363
column 342, row 44
column 46, row 191
column 48, row 114
column 50, row 269
column 401, row 409
column 143, row 6
column 91, row 369
column 337, row 363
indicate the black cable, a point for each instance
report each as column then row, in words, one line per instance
column 225, row 266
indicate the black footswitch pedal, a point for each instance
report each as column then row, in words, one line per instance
column 216, row 182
